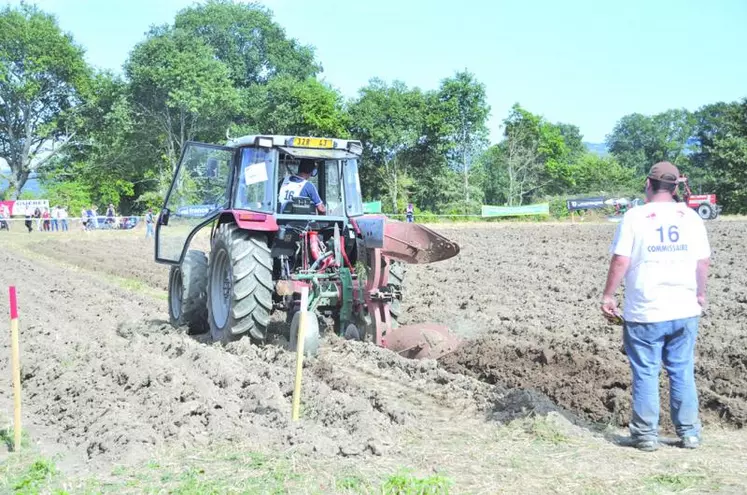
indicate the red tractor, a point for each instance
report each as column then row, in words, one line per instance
column 704, row 204
column 264, row 251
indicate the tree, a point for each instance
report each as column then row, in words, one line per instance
column 720, row 163
column 288, row 106
column 464, row 112
column 388, row 119
column 246, row 39
column 638, row 141
column 180, row 91
column 43, row 80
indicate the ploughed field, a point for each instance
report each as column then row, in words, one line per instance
column 106, row 380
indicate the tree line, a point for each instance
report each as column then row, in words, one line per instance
column 225, row 68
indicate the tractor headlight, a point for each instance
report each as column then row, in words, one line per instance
column 263, row 142
column 355, row 148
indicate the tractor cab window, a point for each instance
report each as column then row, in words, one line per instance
column 255, row 190
column 352, row 184
column 327, row 182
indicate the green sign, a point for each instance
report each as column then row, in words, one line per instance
column 515, row 211
column 372, row 207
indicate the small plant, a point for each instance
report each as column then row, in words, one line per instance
column 675, row 482
column 38, row 473
column 8, row 438
column 350, row 483
column 404, row 483
column 545, row 431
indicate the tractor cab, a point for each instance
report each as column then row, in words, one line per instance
column 243, row 180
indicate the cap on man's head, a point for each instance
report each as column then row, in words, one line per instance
column 664, row 172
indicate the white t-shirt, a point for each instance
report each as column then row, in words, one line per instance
column 664, row 242
column 290, row 189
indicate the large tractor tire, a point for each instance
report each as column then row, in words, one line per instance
column 240, row 285
column 705, row 211
column 188, row 293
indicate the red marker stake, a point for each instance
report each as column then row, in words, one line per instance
column 16, row 367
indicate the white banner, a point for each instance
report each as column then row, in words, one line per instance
column 21, row 205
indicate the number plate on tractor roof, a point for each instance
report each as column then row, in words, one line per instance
column 309, row 142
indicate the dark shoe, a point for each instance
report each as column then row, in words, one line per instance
column 691, row 442
column 646, row 445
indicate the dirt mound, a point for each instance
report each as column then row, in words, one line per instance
column 529, row 296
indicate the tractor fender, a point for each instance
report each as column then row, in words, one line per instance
column 249, row 220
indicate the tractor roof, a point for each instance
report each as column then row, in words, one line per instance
column 298, row 143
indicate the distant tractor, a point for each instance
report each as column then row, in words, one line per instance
column 265, row 249
column 704, row 204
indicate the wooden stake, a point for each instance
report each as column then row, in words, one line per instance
column 16, row 368
column 299, row 352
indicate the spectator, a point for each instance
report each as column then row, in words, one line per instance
column 110, row 214
column 38, row 216
column 91, row 218
column 28, row 219
column 83, row 219
column 62, row 215
column 55, row 218
column 149, row 223
column 410, row 213
column 4, row 217
column 45, row 218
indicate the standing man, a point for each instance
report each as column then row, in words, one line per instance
column 4, row 216
column 149, row 223
column 410, row 213
column 62, row 213
column 55, row 218
column 28, row 218
column 662, row 250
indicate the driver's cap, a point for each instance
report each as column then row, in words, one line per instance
column 664, row 172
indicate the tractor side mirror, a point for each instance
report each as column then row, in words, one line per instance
column 212, row 167
column 163, row 218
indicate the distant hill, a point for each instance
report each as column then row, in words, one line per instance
column 597, row 148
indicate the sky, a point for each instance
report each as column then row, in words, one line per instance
column 583, row 62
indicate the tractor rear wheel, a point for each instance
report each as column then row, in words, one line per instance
column 240, row 285
column 188, row 293
column 705, row 211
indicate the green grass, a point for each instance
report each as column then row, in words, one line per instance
column 405, row 483
column 7, row 436
column 545, row 431
column 667, row 483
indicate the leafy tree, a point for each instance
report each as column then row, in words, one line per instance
column 638, row 141
column 720, row 164
column 180, row 91
column 388, row 120
column 43, row 79
column 246, row 39
column 464, row 112
column 288, row 106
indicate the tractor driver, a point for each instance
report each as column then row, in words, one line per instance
column 298, row 185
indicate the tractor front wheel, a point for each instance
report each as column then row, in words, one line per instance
column 240, row 285
column 188, row 293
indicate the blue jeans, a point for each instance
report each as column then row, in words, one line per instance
column 148, row 230
column 647, row 346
